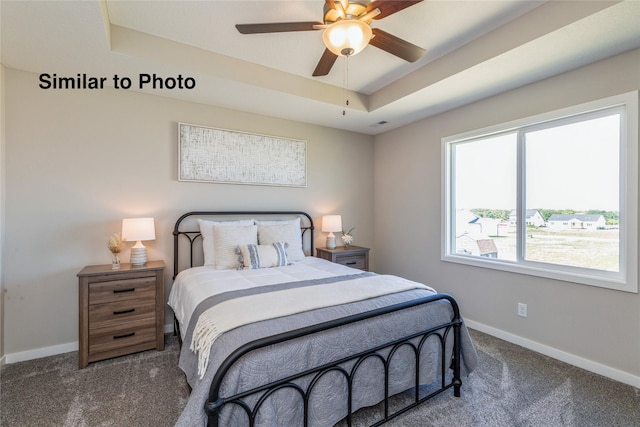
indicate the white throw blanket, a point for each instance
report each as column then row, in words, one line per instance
column 241, row 311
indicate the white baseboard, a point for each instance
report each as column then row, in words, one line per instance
column 51, row 351
column 572, row 359
column 37, row 353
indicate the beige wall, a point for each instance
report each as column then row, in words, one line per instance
column 79, row 161
column 587, row 325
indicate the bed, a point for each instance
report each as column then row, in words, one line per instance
column 272, row 336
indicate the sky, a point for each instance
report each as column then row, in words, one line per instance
column 574, row 166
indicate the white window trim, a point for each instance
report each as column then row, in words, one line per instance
column 624, row 280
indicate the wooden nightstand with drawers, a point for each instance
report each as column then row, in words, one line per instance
column 121, row 311
column 351, row 256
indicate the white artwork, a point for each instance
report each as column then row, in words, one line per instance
column 227, row 156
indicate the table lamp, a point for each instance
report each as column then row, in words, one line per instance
column 331, row 223
column 138, row 229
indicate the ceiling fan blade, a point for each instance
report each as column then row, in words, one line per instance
column 396, row 46
column 277, row 27
column 326, row 62
column 389, row 7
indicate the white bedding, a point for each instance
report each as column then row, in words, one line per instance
column 233, row 313
column 209, row 286
column 194, row 285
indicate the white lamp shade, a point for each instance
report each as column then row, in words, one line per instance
column 347, row 37
column 331, row 223
column 137, row 229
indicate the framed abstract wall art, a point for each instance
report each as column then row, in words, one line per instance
column 207, row 154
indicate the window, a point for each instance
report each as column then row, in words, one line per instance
column 554, row 195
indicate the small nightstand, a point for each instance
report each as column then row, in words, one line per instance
column 121, row 311
column 352, row 256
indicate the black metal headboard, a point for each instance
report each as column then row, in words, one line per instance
column 192, row 233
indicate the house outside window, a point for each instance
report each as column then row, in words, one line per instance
column 553, row 195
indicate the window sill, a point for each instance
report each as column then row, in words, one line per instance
column 608, row 280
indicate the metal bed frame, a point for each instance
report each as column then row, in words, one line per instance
column 414, row 341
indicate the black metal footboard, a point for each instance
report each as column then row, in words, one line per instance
column 414, row 341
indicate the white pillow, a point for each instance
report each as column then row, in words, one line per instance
column 263, row 256
column 206, row 230
column 288, row 231
column 226, row 238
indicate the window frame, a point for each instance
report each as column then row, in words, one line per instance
column 626, row 279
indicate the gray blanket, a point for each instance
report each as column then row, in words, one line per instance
column 266, row 365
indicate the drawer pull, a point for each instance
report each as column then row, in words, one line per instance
column 117, row 337
column 131, row 310
column 119, row 291
column 351, row 263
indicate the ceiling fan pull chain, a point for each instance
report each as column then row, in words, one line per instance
column 345, row 85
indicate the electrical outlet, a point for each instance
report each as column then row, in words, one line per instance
column 522, row 309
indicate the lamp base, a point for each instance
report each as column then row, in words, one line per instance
column 138, row 256
column 331, row 242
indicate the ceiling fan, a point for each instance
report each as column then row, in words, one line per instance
column 347, row 30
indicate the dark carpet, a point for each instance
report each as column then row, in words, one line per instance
column 512, row 386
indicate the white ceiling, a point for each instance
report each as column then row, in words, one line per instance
column 475, row 49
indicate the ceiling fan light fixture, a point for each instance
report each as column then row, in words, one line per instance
column 347, row 37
